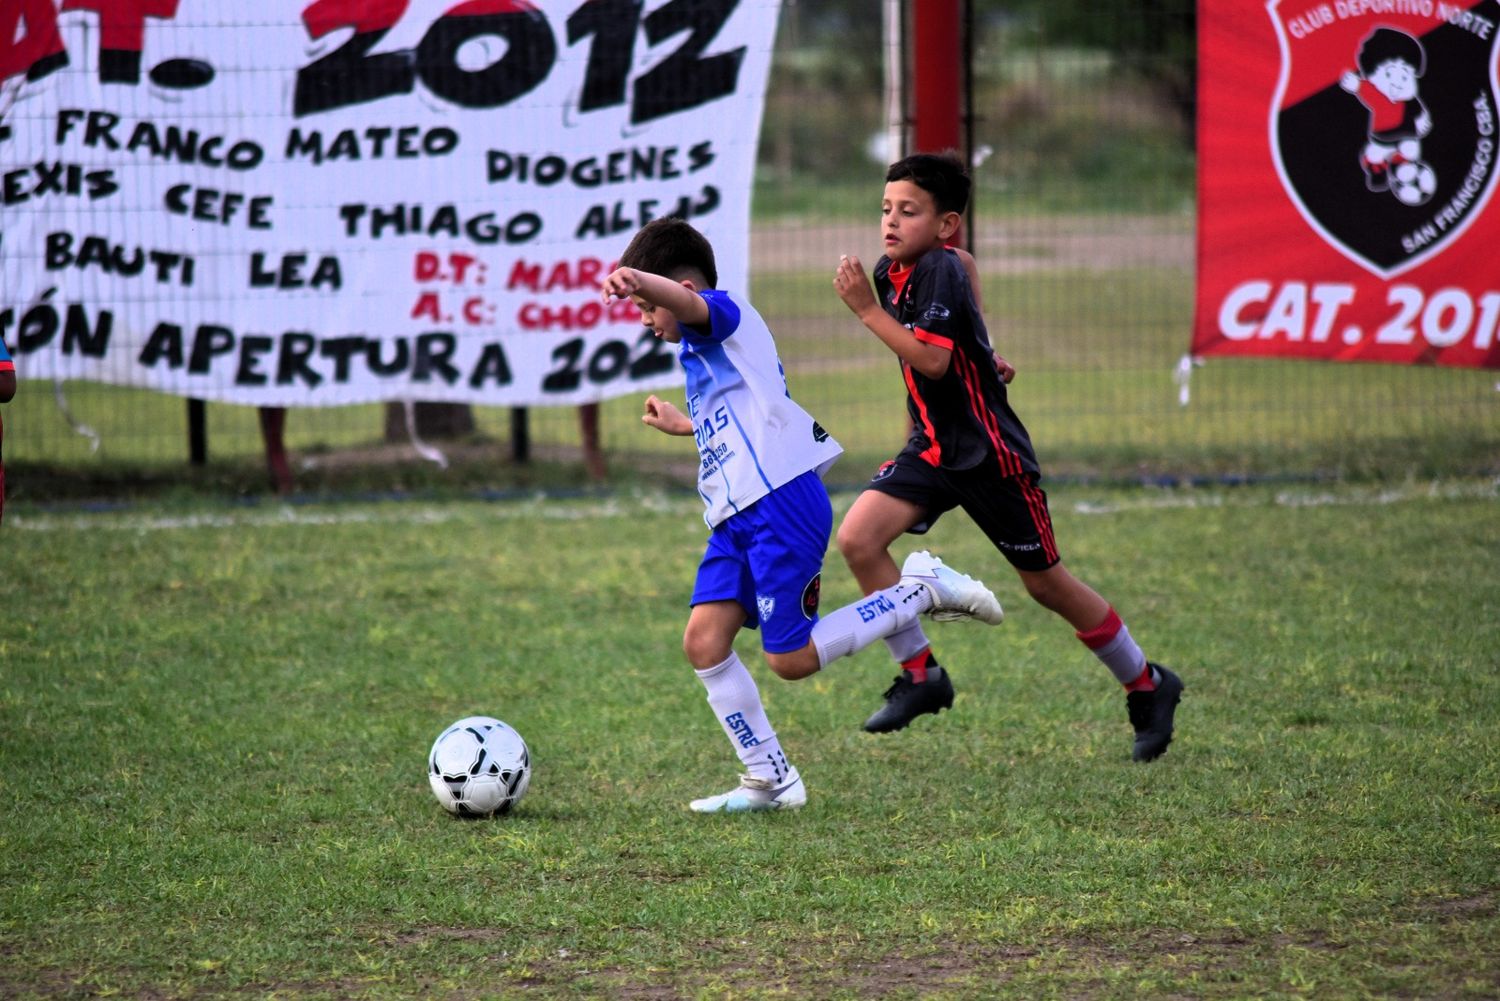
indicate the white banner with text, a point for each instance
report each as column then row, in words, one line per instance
column 323, row 202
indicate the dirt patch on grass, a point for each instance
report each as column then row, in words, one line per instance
column 1469, row 908
column 1181, row 965
column 1080, row 967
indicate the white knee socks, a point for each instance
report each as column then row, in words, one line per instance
column 736, row 702
column 884, row 613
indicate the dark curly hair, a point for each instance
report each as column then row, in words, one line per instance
column 1385, row 44
column 942, row 175
column 671, row 247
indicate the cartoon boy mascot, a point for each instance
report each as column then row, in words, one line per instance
column 1390, row 62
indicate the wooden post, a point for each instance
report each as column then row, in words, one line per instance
column 593, row 453
column 272, row 432
column 520, row 435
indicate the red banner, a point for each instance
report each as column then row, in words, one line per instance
column 1347, row 155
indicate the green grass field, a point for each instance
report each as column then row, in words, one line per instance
column 216, row 719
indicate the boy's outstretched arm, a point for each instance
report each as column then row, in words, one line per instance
column 854, row 288
column 681, row 298
column 664, row 417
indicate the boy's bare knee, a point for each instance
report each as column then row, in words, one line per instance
column 1048, row 589
column 703, row 649
column 847, row 541
column 857, row 548
column 795, row 665
column 1042, row 590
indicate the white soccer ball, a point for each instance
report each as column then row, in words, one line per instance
column 1413, row 182
column 479, row 767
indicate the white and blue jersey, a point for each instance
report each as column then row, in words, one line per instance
column 761, row 459
column 752, row 436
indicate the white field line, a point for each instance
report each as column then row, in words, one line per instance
column 1348, row 496
column 624, row 505
column 382, row 513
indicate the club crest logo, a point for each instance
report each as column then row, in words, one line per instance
column 810, row 596
column 766, row 605
column 1384, row 123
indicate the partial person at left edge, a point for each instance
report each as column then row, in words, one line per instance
column 7, row 393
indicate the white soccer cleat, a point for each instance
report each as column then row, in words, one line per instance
column 954, row 595
column 755, row 795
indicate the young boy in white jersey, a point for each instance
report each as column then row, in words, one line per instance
column 762, row 457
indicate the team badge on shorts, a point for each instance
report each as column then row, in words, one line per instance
column 810, row 595
column 766, row 605
column 886, row 468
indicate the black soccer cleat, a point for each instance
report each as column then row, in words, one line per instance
column 1151, row 714
column 906, row 700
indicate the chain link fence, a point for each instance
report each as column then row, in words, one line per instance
column 1081, row 121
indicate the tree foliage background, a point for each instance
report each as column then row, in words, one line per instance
column 1075, row 101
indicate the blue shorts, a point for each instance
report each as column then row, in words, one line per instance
column 769, row 558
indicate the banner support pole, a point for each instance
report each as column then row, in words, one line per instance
column 197, row 421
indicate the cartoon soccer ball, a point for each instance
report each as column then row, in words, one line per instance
column 1413, row 182
column 479, row 767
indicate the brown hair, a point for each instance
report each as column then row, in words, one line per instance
column 670, row 247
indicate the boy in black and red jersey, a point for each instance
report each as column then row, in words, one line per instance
column 967, row 449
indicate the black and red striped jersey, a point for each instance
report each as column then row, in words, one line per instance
column 963, row 419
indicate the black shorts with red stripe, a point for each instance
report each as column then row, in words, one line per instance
column 1010, row 510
